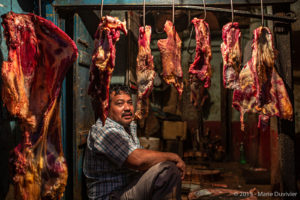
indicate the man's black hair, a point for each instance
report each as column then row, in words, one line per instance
column 118, row 89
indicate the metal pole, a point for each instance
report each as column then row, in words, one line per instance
column 167, row 7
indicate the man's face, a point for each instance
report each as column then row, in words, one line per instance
column 121, row 108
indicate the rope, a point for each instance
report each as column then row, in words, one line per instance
column 10, row 5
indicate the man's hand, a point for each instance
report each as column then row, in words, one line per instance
column 143, row 159
column 181, row 166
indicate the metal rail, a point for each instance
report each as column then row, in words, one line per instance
column 245, row 13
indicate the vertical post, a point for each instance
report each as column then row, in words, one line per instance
column 286, row 128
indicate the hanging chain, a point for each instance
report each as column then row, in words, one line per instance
column 262, row 12
column 204, row 9
column 101, row 10
column 231, row 3
column 144, row 14
column 173, row 12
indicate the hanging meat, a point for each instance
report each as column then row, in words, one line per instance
column 231, row 53
column 200, row 69
column 261, row 89
column 170, row 50
column 145, row 72
column 39, row 57
column 103, row 63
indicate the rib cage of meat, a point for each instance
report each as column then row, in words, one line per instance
column 170, row 50
column 200, row 69
column 261, row 89
column 231, row 54
column 103, row 63
column 145, row 72
column 38, row 59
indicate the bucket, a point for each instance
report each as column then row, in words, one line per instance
column 152, row 143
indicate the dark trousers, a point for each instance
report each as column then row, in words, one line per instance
column 162, row 181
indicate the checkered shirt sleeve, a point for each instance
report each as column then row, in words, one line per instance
column 114, row 143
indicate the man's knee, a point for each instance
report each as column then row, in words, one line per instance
column 168, row 171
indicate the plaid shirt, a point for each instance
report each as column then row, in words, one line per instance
column 107, row 149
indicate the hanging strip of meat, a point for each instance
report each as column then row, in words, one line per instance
column 103, row 63
column 261, row 89
column 231, row 53
column 170, row 50
column 200, row 69
column 144, row 71
column 39, row 57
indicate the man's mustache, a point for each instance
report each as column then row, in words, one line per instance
column 126, row 114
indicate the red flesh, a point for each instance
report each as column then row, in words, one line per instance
column 231, row 53
column 261, row 89
column 200, row 69
column 103, row 63
column 145, row 72
column 39, row 57
column 170, row 50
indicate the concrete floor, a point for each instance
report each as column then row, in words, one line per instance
column 230, row 177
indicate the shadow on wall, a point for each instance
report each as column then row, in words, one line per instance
column 26, row 5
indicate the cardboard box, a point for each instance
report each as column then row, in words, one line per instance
column 173, row 129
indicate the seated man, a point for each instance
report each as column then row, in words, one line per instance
column 117, row 167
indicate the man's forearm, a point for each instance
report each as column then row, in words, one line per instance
column 143, row 159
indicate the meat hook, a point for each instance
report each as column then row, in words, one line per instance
column 144, row 15
column 40, row 7
column 101, row 10
column 189, row 45
column 231, row 4
column 173, row 12
column 204, row 9
column 262, row 12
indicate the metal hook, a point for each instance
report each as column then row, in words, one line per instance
column 40, row 7
column 144, row 14
column 189, row 45
column 262, row 12
column 204, row 9
column 173, row 12
column 231, row 3
column 101, row 10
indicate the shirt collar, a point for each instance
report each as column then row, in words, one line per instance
column 111, row 122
